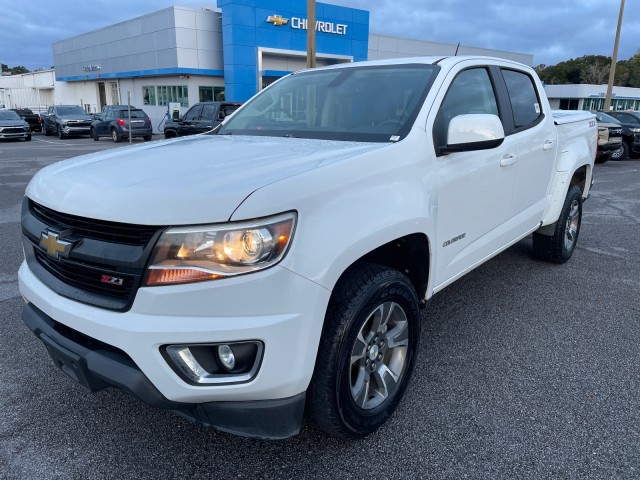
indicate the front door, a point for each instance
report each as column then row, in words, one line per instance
column 475, row 189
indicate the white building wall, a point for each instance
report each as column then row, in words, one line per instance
column 28, row 90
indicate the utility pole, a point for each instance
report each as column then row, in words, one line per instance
column 614, row 60
column 311, row 33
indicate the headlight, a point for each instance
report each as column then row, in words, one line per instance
column 209, row 252
column 635, row 130
column 64, row 122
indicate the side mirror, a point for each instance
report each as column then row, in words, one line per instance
column 473, row 132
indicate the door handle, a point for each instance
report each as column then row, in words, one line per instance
column 548, row 145
column 508, row 159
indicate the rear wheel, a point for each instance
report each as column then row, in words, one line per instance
column 114, row 136
column 366, row 353
column 559, row 247
column 146, row 138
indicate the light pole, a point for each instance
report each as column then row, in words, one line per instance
column 311, row 33
column 614, row 60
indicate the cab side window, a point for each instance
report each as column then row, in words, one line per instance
column 194, row 113
column 470, row 92
column 524, row 99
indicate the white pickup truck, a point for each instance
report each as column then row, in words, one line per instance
column 278, row 267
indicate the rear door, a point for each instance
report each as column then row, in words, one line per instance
column 535, row 134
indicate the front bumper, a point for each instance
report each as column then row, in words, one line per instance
column 68, row 130
column 276, row 307
column 97, row 366
column 24, row 134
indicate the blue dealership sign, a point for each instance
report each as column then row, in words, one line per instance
column 281, row 25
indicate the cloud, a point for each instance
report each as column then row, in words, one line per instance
column 551, row 30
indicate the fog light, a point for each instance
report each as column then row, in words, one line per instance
column 226, row 356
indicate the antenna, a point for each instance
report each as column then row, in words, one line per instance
column 457, row 48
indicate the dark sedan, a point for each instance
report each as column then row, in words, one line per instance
column 115, row 124
column 12, row 126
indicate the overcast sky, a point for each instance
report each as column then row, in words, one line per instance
column 551, row 30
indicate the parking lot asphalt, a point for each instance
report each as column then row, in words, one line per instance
column 526, row 370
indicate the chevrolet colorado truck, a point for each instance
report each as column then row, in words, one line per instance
column 278, row 267
column 65, row 120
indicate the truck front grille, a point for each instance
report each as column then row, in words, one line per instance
column 97, row 229
column 105, row 265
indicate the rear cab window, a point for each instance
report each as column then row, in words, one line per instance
column 523, row 95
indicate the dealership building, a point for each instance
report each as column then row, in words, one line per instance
column 184, row 55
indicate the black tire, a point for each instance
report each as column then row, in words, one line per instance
column 94, row 134
column 115, row 137
column 28, row 139
column 147, row 138
column 559, row 247
column 60, row 133
column 45, row 130
column 351, row 398
column 170, row 134
column 622, row 153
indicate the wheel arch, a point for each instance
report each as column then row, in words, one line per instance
column 409, row 254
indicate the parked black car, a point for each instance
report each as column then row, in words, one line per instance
column 66, row 120
column 12, row 126
column 630, row 138
column 200, row 118
column 114, row 123
column 610, row 143
column 33, row 119
column 631, row 123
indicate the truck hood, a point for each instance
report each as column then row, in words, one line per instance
column 191, row 180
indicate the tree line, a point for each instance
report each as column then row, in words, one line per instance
column 592, row 69
column 4, row 68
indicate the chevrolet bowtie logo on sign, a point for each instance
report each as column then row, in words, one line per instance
column 277, row 20
column 55, row 247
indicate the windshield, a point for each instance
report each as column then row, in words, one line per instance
column 9, row 115
column 370, row 104
column 71, row 111
column 604, row 118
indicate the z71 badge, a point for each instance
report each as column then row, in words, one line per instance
column 112, row 280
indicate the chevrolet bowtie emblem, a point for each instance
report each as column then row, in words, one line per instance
column 277, row 20
column 55, row 247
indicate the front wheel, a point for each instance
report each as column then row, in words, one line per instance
column 367, row 351
column 94, row 134
column 559, row 247
column 28, row 138
column 45, row 130
column 147, row 138
column 60, row 133
column 621, row 153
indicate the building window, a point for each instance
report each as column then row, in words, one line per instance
column 206, row 94
column 173, row 94
column 569, row 103
column 149, row 95
column 211, row 94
